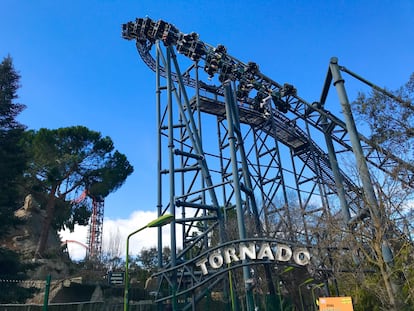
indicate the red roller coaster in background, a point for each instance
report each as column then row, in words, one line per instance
column 94, row 238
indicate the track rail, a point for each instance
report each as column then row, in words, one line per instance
column 254, row 87
column 274, row 114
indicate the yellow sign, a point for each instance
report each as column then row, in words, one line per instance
column 335, row 304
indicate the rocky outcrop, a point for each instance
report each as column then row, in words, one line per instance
column 68, row 283
column 23, row 239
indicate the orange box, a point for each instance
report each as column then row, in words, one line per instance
column 335, row 304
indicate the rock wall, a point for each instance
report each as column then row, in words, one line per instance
column 23, row 239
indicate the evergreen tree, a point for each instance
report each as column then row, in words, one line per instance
column 67, row 161
column 12, row 158
column 12, row 164
column 11, row 276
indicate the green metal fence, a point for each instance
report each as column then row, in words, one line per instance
column 82, row 306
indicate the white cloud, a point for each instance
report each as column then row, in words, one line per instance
column 76, row 251
column 144, row 239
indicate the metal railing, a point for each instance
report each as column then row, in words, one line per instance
column 144, row 305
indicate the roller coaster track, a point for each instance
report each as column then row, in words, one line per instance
column 292, row 136
column 146, row 31
column 266, row 107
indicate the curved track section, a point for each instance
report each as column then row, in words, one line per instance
column 253, row 86
column 267, row 175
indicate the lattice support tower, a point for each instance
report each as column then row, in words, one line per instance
column 95, row 230
column 240, row 158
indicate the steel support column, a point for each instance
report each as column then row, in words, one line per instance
column 236, row 185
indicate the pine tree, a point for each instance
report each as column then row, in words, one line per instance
column 66, row 161
column 12, row 164
column 12, row 275
column 12, row 157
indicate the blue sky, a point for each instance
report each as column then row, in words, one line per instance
column 77, row 70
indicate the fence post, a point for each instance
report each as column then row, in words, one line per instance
column 46, row 298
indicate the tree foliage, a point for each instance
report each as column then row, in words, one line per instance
column 12, row 164
column 67, row 161
column 148, row 258
column 9, row 84
column 11, row 276
column 12, row 157
column 391, row 120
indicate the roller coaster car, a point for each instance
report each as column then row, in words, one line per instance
column 146, row 29
column 211, row 64
column 281, row 105
column 227, row 70
column 287, row 90
column 252, row 67
column 158, row 29
column 128, row 31
column 170, row 35
column 190, row 46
